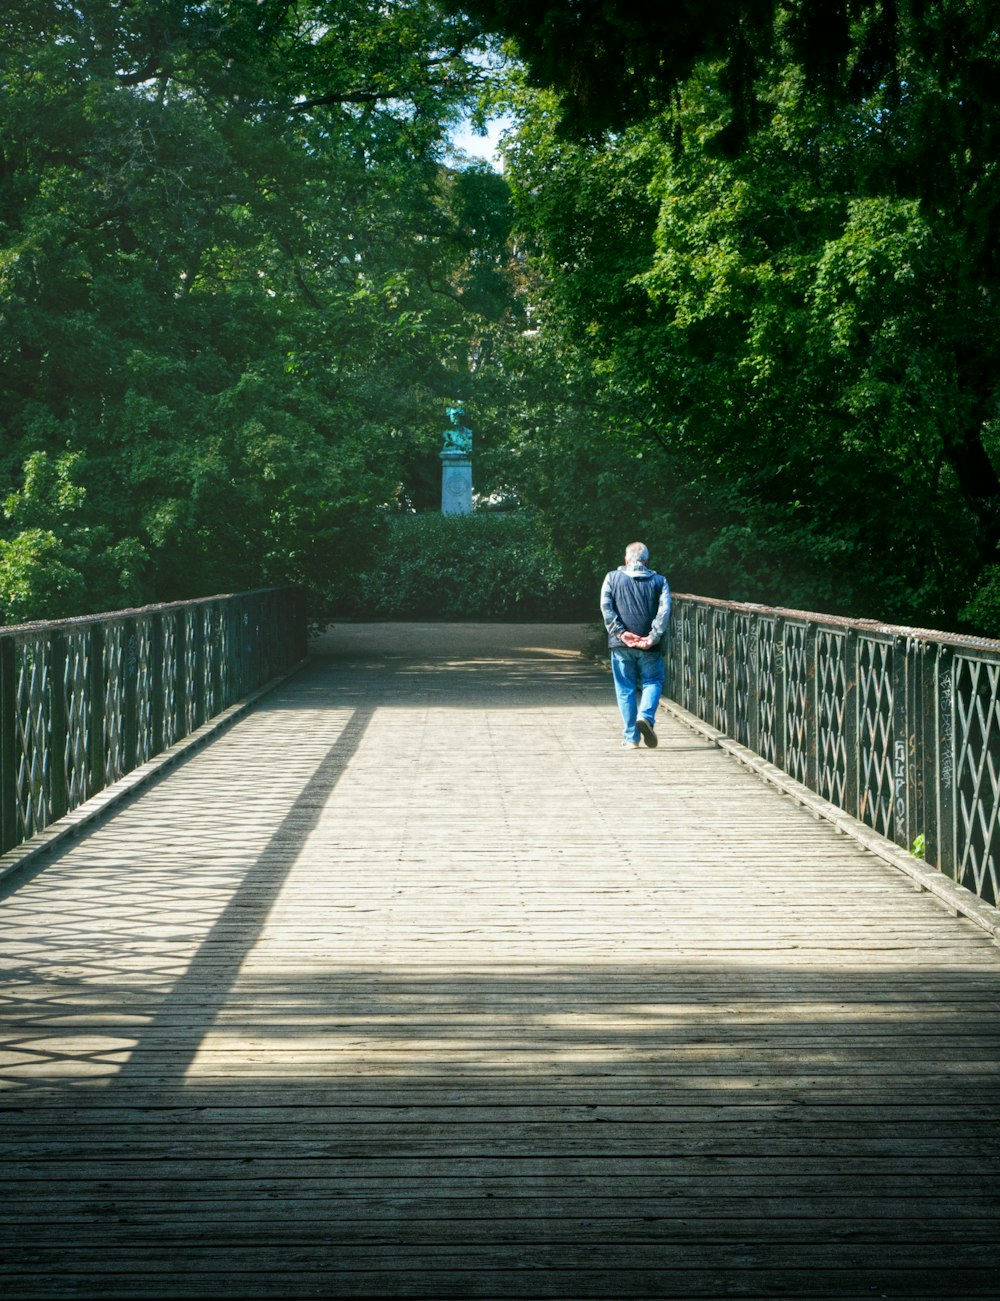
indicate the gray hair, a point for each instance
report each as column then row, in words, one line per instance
column 636, row 552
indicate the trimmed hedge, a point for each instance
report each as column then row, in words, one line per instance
column 481, row 566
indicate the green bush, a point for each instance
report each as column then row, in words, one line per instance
column 37, row 578
column 482, row 566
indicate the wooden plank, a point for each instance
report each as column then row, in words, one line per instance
column 672, row 1256
column 416, row 1227
column 587, row 1279
column 337, row 1205
column 671, row 1189
column 978, row 1145
column 353, row 1165
column 254, row 1117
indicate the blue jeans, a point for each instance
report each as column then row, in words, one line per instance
column 638, row 677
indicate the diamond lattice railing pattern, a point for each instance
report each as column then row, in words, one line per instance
column 977, row 718
column 75, row 684
column 831, row 710
column 84, row 701
column 875, row 733
column 796, row 710
column 744, row 634
column 767, row 716
column 113, row 712
column 900, row 727
column 721, row 670
column 701, row 660
column 34, row 684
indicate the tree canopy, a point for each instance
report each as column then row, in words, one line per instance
column 237, row 285
column 737, row 292
column 783, row 295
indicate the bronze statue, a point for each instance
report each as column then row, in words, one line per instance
column 457, row 438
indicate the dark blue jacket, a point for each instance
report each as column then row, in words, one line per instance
column 634, row 599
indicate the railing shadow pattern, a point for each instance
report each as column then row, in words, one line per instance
column 899, row 727
column 85, row 701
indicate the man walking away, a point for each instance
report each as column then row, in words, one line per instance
column 635, row 605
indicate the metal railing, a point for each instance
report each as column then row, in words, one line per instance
column 899, row 727
column 85, row 701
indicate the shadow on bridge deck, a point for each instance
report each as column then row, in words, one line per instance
column 414, row 984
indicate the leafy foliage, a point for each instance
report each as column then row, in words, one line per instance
column 737, row 295
column 489, row 565
column 612, row 63
column 786, row 338
column 237, row 284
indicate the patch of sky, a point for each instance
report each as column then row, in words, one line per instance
column 465, row 142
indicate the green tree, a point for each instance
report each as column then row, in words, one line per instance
column 792, row 309
column 235, row 276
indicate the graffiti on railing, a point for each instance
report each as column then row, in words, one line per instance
column 899, row 775
column 945, row 726
column 132, row 656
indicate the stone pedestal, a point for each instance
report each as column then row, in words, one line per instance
column 456, row 483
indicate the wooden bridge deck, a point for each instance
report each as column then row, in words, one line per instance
column 414, row 984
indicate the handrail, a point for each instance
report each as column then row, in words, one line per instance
column 84, row 701
column 898, row 726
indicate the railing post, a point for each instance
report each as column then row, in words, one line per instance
column 180, row 727
column 263, row 627
column 732, row 675
column 227, row 627
column 201, row 649
column 216, row 642
column 253, row 637
column 691, row 664
column 780, row 720
column 901, row 744
column 130, row 704
column 811, row 721
column 242, row 620
column 711, row 668
column 239, row 650
column 944, row 841
column 198, row 666
column 8, row 744
column 280, row 641
column 301, row 609
column 96, row 757
column 852, row 754
column 274, row 647
column 920, row 740
column 58, row 800
column 753, row 682
column 156, row 681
